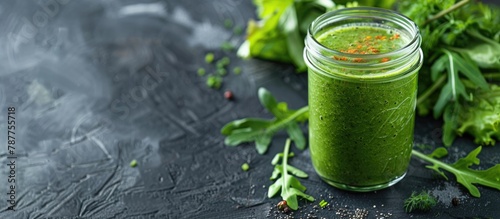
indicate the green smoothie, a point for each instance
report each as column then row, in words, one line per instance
column 361, row 129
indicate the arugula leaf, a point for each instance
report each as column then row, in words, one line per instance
column 450, row 118
column 485, row 54
column 289, row 185
column 481, row 117
column 464, row 175
column 448, row 100
column 462, row 46
column 453, row 64
column 261, row 131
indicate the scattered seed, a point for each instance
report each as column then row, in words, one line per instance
column 228, row 95
column 282, row 205
column 287, row 210
column 455, row 201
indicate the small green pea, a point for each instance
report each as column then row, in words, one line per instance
column 245, row 167
column 133, row 163
column 227, row 46
column 221, row 71
column 238, row 30
column 209, row 58
column 237, row 70
column 201, row 71
column 228, row 23
column 214, row 82
column 222, row 63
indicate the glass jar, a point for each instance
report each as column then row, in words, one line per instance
column 362, row 84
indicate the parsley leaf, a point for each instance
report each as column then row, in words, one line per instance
column 464, row 175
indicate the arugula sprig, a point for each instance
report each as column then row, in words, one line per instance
column 261, row 131
column 449, row 100
column 285, row 180
column 462, row 48
column 464, row 175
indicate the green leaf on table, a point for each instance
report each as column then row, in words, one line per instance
column 461, row 169
column 439, row 153
column 279, row 33
column 279, row 156
column 261, row 131
column 290, row 187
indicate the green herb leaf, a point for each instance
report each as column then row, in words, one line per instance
column 279, row 35
column 439, row 153
column 486, row 54
column 290, row 186
column 464, row 175
column 291, row 169
column 450, row 118
column 481, row 117
column 261, row 131
column 462, row 45
column 278, row 156
column 448, row 100
column 423, row 202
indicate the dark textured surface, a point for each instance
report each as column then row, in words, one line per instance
column 97, row 84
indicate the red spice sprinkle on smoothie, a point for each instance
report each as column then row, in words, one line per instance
column 371, row 41
column 358, row 60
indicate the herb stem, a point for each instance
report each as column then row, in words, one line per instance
column 431, row 90
column 492, row 76
column 446, row 11
column 285, row 164
column 424, row 157
column 296, row 114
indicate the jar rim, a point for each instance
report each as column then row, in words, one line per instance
column 403, row 59
column 412, row 41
